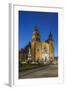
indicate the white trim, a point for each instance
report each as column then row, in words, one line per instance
column 14, row 45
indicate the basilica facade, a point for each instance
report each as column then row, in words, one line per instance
column 40, row 51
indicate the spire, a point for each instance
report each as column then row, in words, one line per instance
column 50, row 36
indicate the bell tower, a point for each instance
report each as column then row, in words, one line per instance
column 36, row 35
column 51, row 47
column 35, row 38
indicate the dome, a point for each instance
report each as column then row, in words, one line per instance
column 36, row 30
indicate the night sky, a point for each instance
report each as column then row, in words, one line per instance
column 46, row 22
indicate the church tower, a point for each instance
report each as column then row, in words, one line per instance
column 35, row 38
column 51, row 46
column 36, row 35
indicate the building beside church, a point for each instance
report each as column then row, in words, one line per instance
column 40, row 51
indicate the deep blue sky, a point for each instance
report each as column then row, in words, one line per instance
column 46, row 21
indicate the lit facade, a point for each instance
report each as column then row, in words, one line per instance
column 42, row 51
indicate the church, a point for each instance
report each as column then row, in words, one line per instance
column 39, row 51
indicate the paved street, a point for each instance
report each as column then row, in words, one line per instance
column 45, row 71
